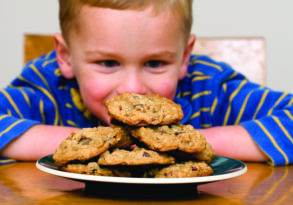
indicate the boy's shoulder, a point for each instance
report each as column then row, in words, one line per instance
column 202, row 65
column 43, row 71
column 46, row 62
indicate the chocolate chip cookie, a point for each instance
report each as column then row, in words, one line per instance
column 140, row 110
column 169, row 138
column 138, row 156
column 88, row 143
column 206, row 155
column 186, row 169
column 92, row 168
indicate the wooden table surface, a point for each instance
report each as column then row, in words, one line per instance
column 23, row 183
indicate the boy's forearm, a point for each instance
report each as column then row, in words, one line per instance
column 37, row 142
column 235, row 142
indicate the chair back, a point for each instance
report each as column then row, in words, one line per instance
column 245, row 55
column 36, row 45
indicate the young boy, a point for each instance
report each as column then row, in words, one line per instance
column 116, row 46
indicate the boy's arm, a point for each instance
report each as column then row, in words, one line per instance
column 21, row 108
column 248, row 120
column 256, row 120
column 38, row 141
column 31, row 100
column 225, row 143
column 22, row 136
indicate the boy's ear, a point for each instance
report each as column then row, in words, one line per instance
column 63, row 56
column 186, row 55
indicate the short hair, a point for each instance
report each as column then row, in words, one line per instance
column 69, row 11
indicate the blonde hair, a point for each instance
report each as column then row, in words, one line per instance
column 69, row 10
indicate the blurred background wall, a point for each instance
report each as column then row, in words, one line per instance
column 267, row 18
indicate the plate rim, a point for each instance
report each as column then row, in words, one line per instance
column 137, row 180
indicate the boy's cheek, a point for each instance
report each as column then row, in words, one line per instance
column 93, row 100
column 95, row 94
column 92, row 92
column 165, row 88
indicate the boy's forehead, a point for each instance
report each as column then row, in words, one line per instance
column 146, row 10
column 94, row 17
column 109, row 30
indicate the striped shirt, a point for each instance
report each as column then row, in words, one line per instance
column 211, row 94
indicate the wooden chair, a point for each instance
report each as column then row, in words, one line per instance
column 36, row 45
column 246, row 55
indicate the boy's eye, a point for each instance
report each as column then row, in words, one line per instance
column 154, row 63
column 108, row 63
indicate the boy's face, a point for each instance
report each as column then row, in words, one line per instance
column 117, row 51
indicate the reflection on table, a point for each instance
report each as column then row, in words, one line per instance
column 23, row 183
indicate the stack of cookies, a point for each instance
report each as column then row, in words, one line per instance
column 145, row 140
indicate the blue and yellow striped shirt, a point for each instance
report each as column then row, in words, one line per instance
column 212, row 94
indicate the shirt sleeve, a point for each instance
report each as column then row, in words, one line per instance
column 266, row 114
column 16, row 115
column 26, row 102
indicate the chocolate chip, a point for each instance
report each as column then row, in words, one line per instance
column 139, row 107
column 193, row 168
column 84, row 140
column 145, row 154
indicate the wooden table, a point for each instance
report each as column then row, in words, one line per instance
column 23, row 183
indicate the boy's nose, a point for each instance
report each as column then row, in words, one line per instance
column 133, row 83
